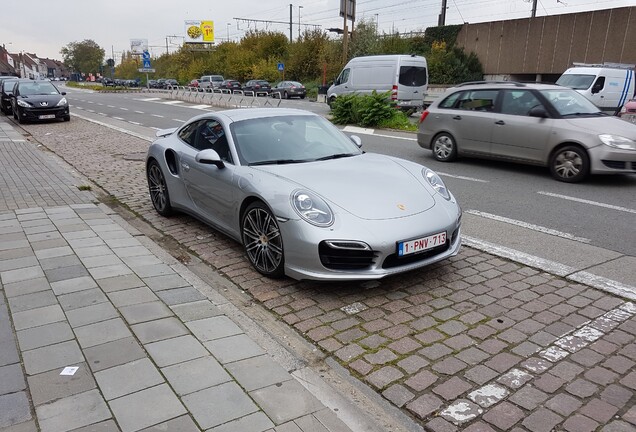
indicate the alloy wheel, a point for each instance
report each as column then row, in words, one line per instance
column 263, row 241
column 158, row 190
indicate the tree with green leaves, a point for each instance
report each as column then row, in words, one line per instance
column 83, row 57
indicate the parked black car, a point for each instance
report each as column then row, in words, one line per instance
column 230, row 85
column 107, row 82
column 152, row 84
column 6, row 90
column 288, row 89
column 257, row 86
column 38, row 100
column 170, row 83
column 161, row 83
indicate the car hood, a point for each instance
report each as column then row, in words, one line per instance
column 605, row 125
column 369, row 186
column 51, row 100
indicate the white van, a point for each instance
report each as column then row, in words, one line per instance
column 607, row 85
column 405, row 76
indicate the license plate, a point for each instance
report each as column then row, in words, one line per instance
column 46, row 116
column 421, row 244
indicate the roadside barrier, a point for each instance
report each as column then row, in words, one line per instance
column 223, row 98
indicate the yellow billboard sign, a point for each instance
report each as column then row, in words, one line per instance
column 199, row 31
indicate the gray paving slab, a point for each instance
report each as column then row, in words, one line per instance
column 79, row 234
column 101, row 261
column 131, row 251
column 18, row 263
column 177, row 350
column 48, row 334
column 114, row 353
column 196, row 310
column 102, row 332
column 64, row 273
column 286, row 401
column 113, row 234
column 128, row 241
column 194, row 375
column 120, row 283
column 14, row 244
column 146, row 408
column 15, row 409
column 148, row 271
column 52, row 357
column 91, row 314
column 132, row 296
column 54, row 252
column 11, row 379
column 32, row 301
column 50, row 386
column 110, row 271
column 141, row 260
column 53, row 235
column 217, row 405
column 33, row 216
column 180, row 424
column 10, row 253
column 331, row 421
column 164, row 282
column 105, row 426
column 72, row 228
column 8, row 350
column 57, row 262
column 82, row 299
column 309, row 423
column 38, row 317
column 128, row 378
column 258, row 372
column 73, row 285
column 142, row 312
column 39, row 229
column 62, row 415
column 26, row 287
column 85, row 242
column 21, row 274
column 92, row 251
column 208, row 329
column 256, row 422
column 180, row 295
column 47, row 244
column 28, row 426
column 234, row 348
column 165, row 328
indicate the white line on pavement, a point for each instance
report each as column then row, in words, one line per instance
column 90, row 110
column 145, row 138
column 123, row 109
column 155, row 128
column 149, row 99
column 156, row 115
column 172, row 102
column 463, row 177
column 139, row 112
column 102, row 114
column 180, row 121
column 356, row 129
column 584, row 201
column 135, row 123
column 528, row 226
column 111, row 106
column 118, row 118
column 200, row 106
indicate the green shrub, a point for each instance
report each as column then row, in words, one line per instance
column 399, row 120
column 364, row 110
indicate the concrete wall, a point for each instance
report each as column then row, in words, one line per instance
column 550, row 44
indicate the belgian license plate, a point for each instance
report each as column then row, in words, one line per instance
column 46, row 116
column 421, row 244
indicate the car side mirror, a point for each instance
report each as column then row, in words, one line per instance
column 63, row 93
column 538, row 111
column 209, row 157
column 356, row 139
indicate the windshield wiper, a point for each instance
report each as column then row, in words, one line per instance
column 278, row 162
column 335, row 156
column 580, row 114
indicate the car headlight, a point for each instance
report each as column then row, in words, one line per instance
column 312, row 208
column 23, row 103
column 62, row 102
column 618, row 142
column 437, row 183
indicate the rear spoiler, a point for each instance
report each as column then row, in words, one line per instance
column 165, row 132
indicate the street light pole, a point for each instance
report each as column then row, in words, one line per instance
column 228, row 31
column 299, row 8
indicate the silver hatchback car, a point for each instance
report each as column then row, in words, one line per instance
column 539, row 124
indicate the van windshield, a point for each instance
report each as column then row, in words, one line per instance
column 413, row 76
column 576, row 81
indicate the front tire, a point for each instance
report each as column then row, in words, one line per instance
column 158, row 189
column 444, row 147
column 263, row 240
column 286, row 95
column 570, row 164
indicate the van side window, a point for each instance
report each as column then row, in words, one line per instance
column 412, row 76
column 344, row 77
column 598, row 85
column 478, row 100
column 450, row 101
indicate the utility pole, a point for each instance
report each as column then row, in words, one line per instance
column 534, row 8
column 291, row 11
column 442, row 14
column 167, row 45
column 345, row 34
column 299, row 8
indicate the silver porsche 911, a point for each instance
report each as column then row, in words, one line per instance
column 303, row 198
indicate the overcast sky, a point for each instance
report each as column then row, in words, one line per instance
column 43, row 27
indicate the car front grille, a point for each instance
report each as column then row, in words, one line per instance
column 345, row 255
column 621, row 165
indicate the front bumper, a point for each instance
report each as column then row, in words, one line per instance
column 36, row 114
column 608, row 160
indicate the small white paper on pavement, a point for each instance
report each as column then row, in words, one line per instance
column 70, row 370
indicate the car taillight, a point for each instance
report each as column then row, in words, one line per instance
column 257, row 86
column 394, row 92
column 424, row 115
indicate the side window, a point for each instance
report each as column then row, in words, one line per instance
column 189, row 133
column 450, row 101
column 478, row 100
column 344, row 77
column 212, row 136
column 518, row 102
column 598, row 85
column 412, row 76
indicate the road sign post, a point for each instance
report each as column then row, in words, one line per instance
column 281, row 68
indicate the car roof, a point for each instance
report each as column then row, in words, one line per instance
column 497, row 85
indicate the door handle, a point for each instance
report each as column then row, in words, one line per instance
column 500, row 122
column 457, row 117
column 185, row 166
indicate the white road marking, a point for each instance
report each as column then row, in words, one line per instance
column 123, row 109
column 90, row 110
column 174, row 102
column 102, row 114
column 395, row 137
column 356, row 129
column 145, row 138
column 463, row 177
column 528, row 226
column 77, row 107
column 111, row 106
column 149, row 99
column 200, row 106
column 100, row 104
column 180, row 121
column 139, row 112
column 584, row 201
column 155, row 128
column 135, row 123
column 90, row 102
column 156, row 115
column 118, row 118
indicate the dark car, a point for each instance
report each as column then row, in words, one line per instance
column 108, row 82
column 161, row 83
column 170, row 83
column 6, row 90
column 38, row 100
column 257, row 86
column 230, row 85
column 288, row 89
column 152, row 84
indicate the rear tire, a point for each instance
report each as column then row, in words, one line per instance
column 444, row 147
column 570, row 164
column 330, row 101
column 158, row 189
column 67, row 118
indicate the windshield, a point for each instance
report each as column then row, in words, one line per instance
column 289, row 139
column 576, row 81
column 37, row 88
column 570, row 102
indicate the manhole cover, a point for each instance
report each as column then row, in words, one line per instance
column 135, row 156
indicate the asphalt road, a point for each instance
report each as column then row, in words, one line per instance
column 600, row 212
